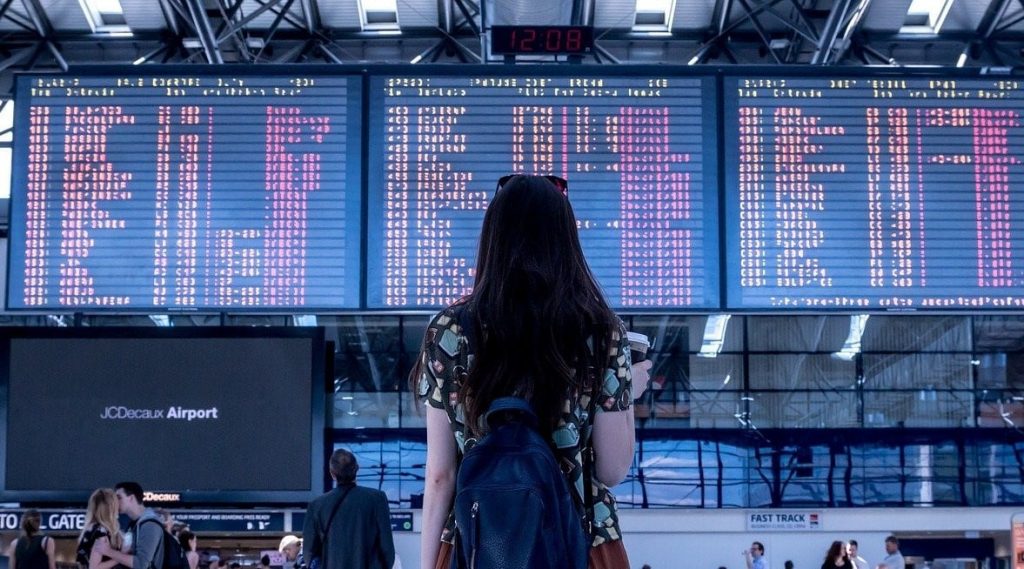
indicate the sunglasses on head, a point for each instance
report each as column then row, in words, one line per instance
column 560, row 183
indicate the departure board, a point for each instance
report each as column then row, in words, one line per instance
column 878, row 192
column 639, row 154
column 214, row 190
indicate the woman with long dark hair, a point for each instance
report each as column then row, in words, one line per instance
column 836, row 557
column 536, row 326
column 33, row 550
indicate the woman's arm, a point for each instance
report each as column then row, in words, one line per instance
column 12, row 555
column 50, row 556
column 193, row 559
column 95, row 558
column 614, row 434
column 439, row 486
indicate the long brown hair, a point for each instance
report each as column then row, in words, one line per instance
column 540, row 322
column 102, row 510
column 31, row 521
column 835, row 551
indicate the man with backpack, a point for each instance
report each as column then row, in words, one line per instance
column 147, row 544
column 350, row 526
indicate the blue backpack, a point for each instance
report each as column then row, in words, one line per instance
column 513, row 506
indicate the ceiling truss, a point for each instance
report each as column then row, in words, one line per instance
column 740, row 31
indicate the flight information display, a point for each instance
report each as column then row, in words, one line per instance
column 187, row 191
column 874, row 193
column 639, row 154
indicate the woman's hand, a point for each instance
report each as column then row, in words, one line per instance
column 641, row 377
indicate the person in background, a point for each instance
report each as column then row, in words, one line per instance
column 291, row 547
column 350, row 526
column 851, row 552
column 836, row 557
column 32, row 550
column 189, row 543
column 893, row 558
column 265, row 562
column 145, row 533
column 165, row 517
column 755, row 556
column 788, row 564
column 100, row 525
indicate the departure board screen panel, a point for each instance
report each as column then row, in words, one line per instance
column 874, row 193
column 638, row 152
column 232, row 191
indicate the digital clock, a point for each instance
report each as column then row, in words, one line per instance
column 512, row 40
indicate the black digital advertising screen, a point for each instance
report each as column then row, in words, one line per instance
column 210, row 415
column 638, row 152
column 874, row 192
column 182, row 190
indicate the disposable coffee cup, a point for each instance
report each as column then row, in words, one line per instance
column 638, row 346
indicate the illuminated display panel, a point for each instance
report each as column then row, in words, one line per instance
column 874, row 193
column 638, row 152
column 184, row 190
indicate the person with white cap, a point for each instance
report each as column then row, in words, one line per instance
column 291, row 547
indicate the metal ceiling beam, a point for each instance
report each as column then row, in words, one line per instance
column 469, row 11
column 720, row 14
column 269, row 37
column 760, row 29
column 171, row 17
column 833, row 26
column 851, row 27
column 45, row 29
column 38, row 16
column 311, row 15
column 582, row 12
column 227, row 17
column 16, row 58
column 205, row 32
column 239, row 26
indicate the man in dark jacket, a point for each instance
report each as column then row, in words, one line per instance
column 348, row 527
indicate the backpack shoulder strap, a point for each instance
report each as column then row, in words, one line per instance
column 334, row 512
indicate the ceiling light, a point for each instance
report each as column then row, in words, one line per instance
column 653, row 15
column 851, row 346
column 379, row 15
column 714, row 335
column 925, row 16
column 106, row 17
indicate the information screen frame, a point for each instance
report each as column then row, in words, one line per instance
column 355, row 175
column 710, row 192
column 318, row 410
column 730, row 235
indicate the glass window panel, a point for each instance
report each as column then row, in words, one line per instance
column 802, row 371
column 917, row 334
column 715, row 409
column 923, row 408
column 394, row 467
column 797, row 333
column 1002, row 333
column 356, row 410
column 413, row 328
column 917, row 371
column 803, row 409
column 876, row 475
column 684, row 334
column 724, row 372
